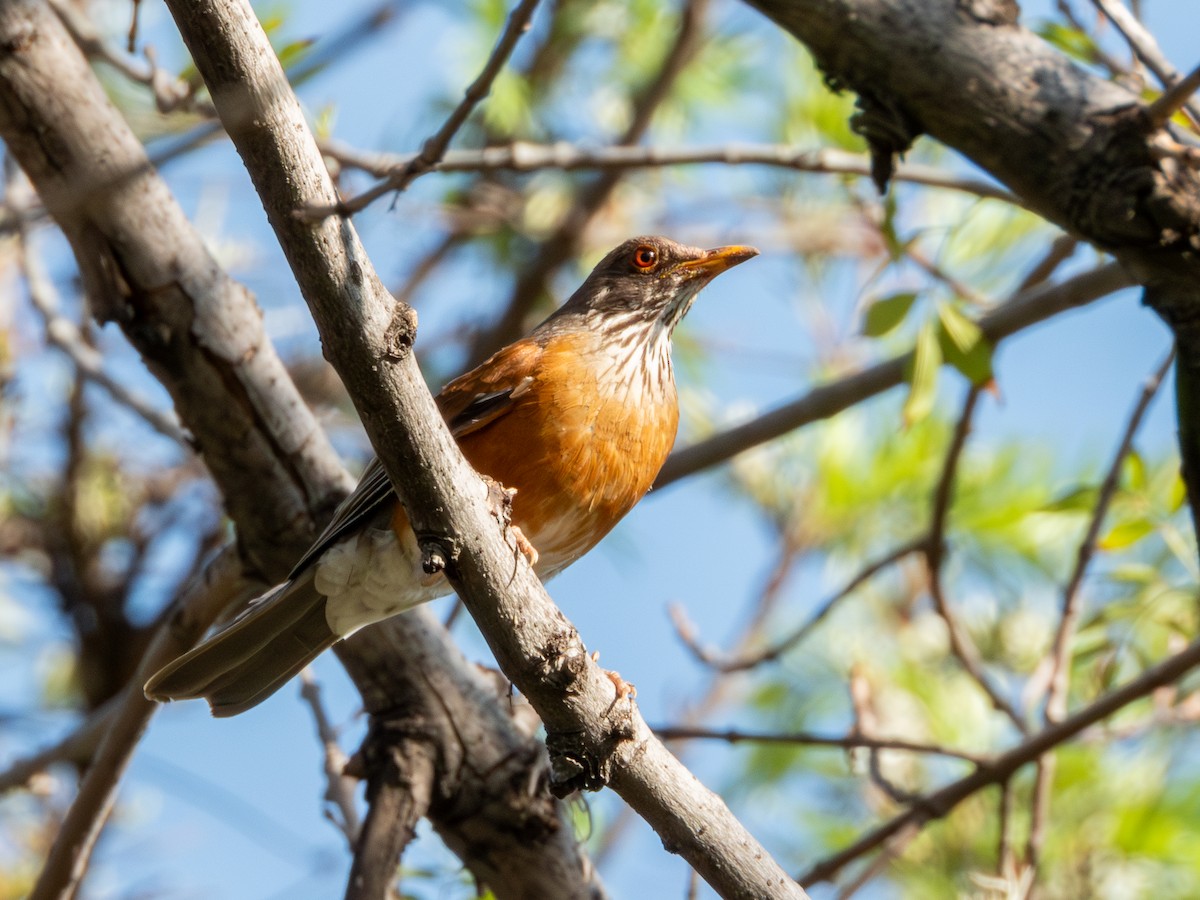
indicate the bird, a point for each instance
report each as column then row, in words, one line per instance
column 575, row 420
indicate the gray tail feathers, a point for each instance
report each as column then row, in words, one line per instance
column 255, row 655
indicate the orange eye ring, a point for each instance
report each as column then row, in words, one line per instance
column 645, row 258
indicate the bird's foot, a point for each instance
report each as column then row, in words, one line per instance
column 525, row 548
column 624, row 688
column 500, row 498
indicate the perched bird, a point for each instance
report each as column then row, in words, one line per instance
column 578, row 418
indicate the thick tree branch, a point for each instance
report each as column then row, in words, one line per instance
column 368, row 338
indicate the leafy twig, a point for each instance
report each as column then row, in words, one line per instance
column 942, row 801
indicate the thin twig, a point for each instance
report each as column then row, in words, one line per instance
column 960, row 642
column 1060, row 653
column 1173, row 99
column 1069, row 609
column 942, row 801
column 66, row 336
column 811, row 739
column 435, row 147
column 1145, row 47
column 724, row 662
column 170, row 94
column 527, row 157
column 339, row 788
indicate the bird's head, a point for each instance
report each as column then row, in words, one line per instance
column 651, row 281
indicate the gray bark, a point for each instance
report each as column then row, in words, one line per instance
column 367, row 337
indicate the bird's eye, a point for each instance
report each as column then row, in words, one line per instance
column 645, row 258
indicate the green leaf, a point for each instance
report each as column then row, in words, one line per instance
column 922, row 375
column 1177, row 494
column 1079, row 499
column 884, row 314
column 1126, row 534
column 1135, row 471
column 963, row 345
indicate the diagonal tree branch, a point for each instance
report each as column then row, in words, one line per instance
column 368, row 338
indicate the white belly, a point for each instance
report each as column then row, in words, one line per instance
column 373, row 576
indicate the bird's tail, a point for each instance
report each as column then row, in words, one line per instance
column 246, row 662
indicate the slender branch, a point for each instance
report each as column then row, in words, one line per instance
column 66, row 336
column 1056, row 702
column 339, row 788
column 1146, row 48
column 170, row 94
column 435, row 147
column 812, row 739
column 748, row 660
column 527, row 157
column 1023, row 310
column 1174, row 98
column 1058, row 689
column 960, row 642
column 942, row 801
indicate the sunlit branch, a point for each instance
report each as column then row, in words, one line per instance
column 527, row 157
column 339, row 788
column 723, row 662
column 435, row 147
column 812, row 739
column 66, row 336
column 1060, row 654
column 960, row 642
column 1146, row 48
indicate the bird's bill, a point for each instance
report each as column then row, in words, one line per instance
column 716, row 261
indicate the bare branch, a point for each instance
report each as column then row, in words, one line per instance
column 435, row 147
column 339, row 788
column 960, row 642
column 1056, row 702
column 368, row 338
column 526, row 157
column 65, row 335
column 1146, row 48
column 812, row 739
column 1060, row 652
column 748, row 660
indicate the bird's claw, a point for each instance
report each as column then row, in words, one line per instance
column 525, row 548
column 624, row 688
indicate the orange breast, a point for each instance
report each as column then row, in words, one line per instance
column 579, row 449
